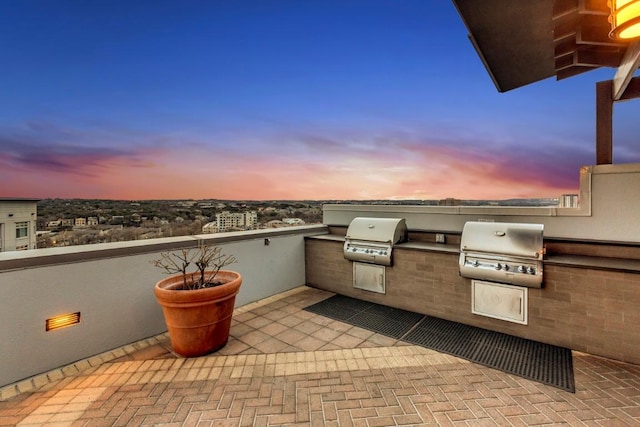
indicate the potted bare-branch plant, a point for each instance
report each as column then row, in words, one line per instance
column 197, row 298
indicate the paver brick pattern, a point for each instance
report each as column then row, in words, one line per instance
column 285, row 366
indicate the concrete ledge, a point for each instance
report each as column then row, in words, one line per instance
column 62, row 255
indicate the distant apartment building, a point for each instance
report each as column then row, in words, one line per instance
column 210, row 227
column 92, row 221
column 236, row 221
column 284, row 222
column 64, row 223
column 569, row 201
column 54, row 225
column 18, row 219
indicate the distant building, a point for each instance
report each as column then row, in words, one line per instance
column 210, row 227
column 292, row 221
column 569, row 201
column 18, row 219
column 92, row 220
column 275, row 223
column 284, row 222
column 54, row 225
column 450, row 201
column 236, row 220
column 117, row 219
column 80, row 222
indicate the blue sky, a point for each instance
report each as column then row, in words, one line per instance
column 377, row 99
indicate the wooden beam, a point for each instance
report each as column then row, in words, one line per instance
column 599, row 58
column 633, row 90
column 604, row 122
column 565, row 46
column 572, row 71
column 597, row 35
column 562, row 8
column 627, row 68
column 597, row 7
column 565, row 61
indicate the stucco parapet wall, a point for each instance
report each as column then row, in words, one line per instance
column 585, row 173
column 376, row 210
column 15, row 260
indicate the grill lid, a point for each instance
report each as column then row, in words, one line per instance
column 385, row 230
column 514, row 239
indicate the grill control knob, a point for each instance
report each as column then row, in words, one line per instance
column 531, row 270
column 498, row 266
column 506, row 267
column 521, row 269
column 475, row 263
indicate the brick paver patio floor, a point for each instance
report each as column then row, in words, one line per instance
column 286, row 366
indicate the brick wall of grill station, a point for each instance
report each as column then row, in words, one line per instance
column 593, row 310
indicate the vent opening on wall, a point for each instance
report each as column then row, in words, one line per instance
column 62, row 321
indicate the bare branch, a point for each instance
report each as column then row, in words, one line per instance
column 208, row 261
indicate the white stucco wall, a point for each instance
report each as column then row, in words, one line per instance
column 115, row 294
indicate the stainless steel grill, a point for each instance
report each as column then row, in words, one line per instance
column 502, row 252
column 371, row 239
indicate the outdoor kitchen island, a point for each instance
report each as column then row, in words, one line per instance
column 587, row 302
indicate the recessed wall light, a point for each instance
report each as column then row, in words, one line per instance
column 62, row 321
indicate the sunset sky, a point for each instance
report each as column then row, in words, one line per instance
column 278, row 99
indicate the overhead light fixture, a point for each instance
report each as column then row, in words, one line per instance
column 624, row 19
column 62, row 321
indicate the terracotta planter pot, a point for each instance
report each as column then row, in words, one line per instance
column 198, row 320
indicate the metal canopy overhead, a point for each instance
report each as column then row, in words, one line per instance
column 525, row 41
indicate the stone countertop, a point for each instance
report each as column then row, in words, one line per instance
column 416, row 245
column 578, row 261
column 599, row 263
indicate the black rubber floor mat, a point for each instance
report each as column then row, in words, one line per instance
column 545, row 363
column 536, row 361
column 384, row 320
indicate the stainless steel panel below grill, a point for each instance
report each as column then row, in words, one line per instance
column 502, row 252
column 371, row 239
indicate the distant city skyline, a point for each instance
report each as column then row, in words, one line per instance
column 279, row 100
